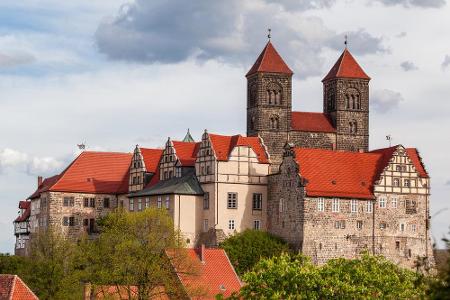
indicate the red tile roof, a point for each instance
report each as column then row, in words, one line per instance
column 223, row 145
column 216, row 274
column 151, row 161
column 269, row 61
column 311, row 122
column 13, row 288
column 346, row 67
column 25, row 205
column 95, row 172
column 186, row 152
column 44, row 186
column 346, row 174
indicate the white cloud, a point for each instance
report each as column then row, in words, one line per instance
column 16, row 59
column 385, row 100
column 11, row 159
column 408, row 66
column 446, row 62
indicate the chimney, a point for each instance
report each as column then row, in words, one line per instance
column 334, row 146
column 39, row 181
column 202, row 253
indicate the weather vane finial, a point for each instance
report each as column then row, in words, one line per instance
column 269, row 35
column 346, row 41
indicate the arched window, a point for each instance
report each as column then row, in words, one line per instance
column 353, row 126
column 358, row 102
column 347, row 101
column 331, row 101
column 352, row 99
column 274, row 122
column 270, row 98
column 274, row 94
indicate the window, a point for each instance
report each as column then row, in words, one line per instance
column 86, row 202
column 359, row 224
column 397, row 245
column 68, row 201
column 383, row 225
column 206, row 200
column 205, row 225
column 335, row 205
column 106, row 202
column 131, row 204
column 354, row 206
column 69, row 221
column 165, row 175
column 398, row 168
column 232, row 200
column 257, row 201
column 159, row 203
column 413, row 227
column 167, row 202
column 339, row 224
column 407, row 183
column 281, row 206
column 396, row 182
column 257, row 224
column 394, row 202
column 170, row 174
column 402, row 227
column 382, row 202
column 85, row 222
column 202, row 170
column 231, row 224
column 147, row 202
column 208, row 170
column 320, row 204
column 274, row 122
column 92, row 202
column 353, row 127
column 139, row 204
column 178, row 172
column 66, row 221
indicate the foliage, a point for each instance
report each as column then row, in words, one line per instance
column 11, row 264
column 245, row 249
column 131, row 252
column 440, row 289
column 50, row 271
column 295, row 277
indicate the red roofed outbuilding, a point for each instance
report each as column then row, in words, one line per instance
column 13, row 288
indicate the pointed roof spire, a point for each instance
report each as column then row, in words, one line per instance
column 270, row 61
column 188, row 138
column 346, row 67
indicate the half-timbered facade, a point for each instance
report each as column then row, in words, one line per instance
column 22, row 228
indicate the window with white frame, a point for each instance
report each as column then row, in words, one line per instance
column 340, row 224
column 382, row 202
column 369, row 207
column 147, row 202
column 335, row 206
column 402, row 227
column 354, row 206
column 131, row 204
column 320, row 204
column 139, row 204
column 257, row 224
column 159, row 202
column 359, row 224
column 407, row 183
column 232, row 201
column 396, row 182
column 231, row 224
column 68, row 201
column 167, row 202
column 413, row 227
column 394, row 202
column 205, row 225
column 178, row 171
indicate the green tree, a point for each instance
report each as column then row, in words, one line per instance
column 440, row 288
column 295, row 277
column 50, row 271
column 245, row 249
column 12, row 264
column 131, row 252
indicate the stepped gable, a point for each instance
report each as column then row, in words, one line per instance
column 311, row 122
column 186, row 152
column 269, row 61
column 346, row 67
column 96, row 172
column 223, row 145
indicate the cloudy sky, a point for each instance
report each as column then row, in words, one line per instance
column 113, row 74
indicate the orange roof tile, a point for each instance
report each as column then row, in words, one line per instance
column 216, row 274
column 223, row 145
column 44, row 186
column 151, row 160
column 186, row 152
column 338, row 174
column 413, row 154
column 26, row 214
column 96, row 172
column 269, row 61
column 311, row 122
column 13, row 288
column 346, row 67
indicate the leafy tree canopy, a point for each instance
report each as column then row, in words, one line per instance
column 246, row 248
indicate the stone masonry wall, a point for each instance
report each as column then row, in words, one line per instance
column 320, row 140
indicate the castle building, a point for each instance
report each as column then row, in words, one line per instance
column 22, row 228
column 307, row 177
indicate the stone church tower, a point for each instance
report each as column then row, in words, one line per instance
column 269, row 101
column 346, row 101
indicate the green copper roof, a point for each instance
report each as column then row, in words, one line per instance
column 188, row 138
column 186, row 185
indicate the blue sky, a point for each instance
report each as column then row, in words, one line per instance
column 114, row 74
